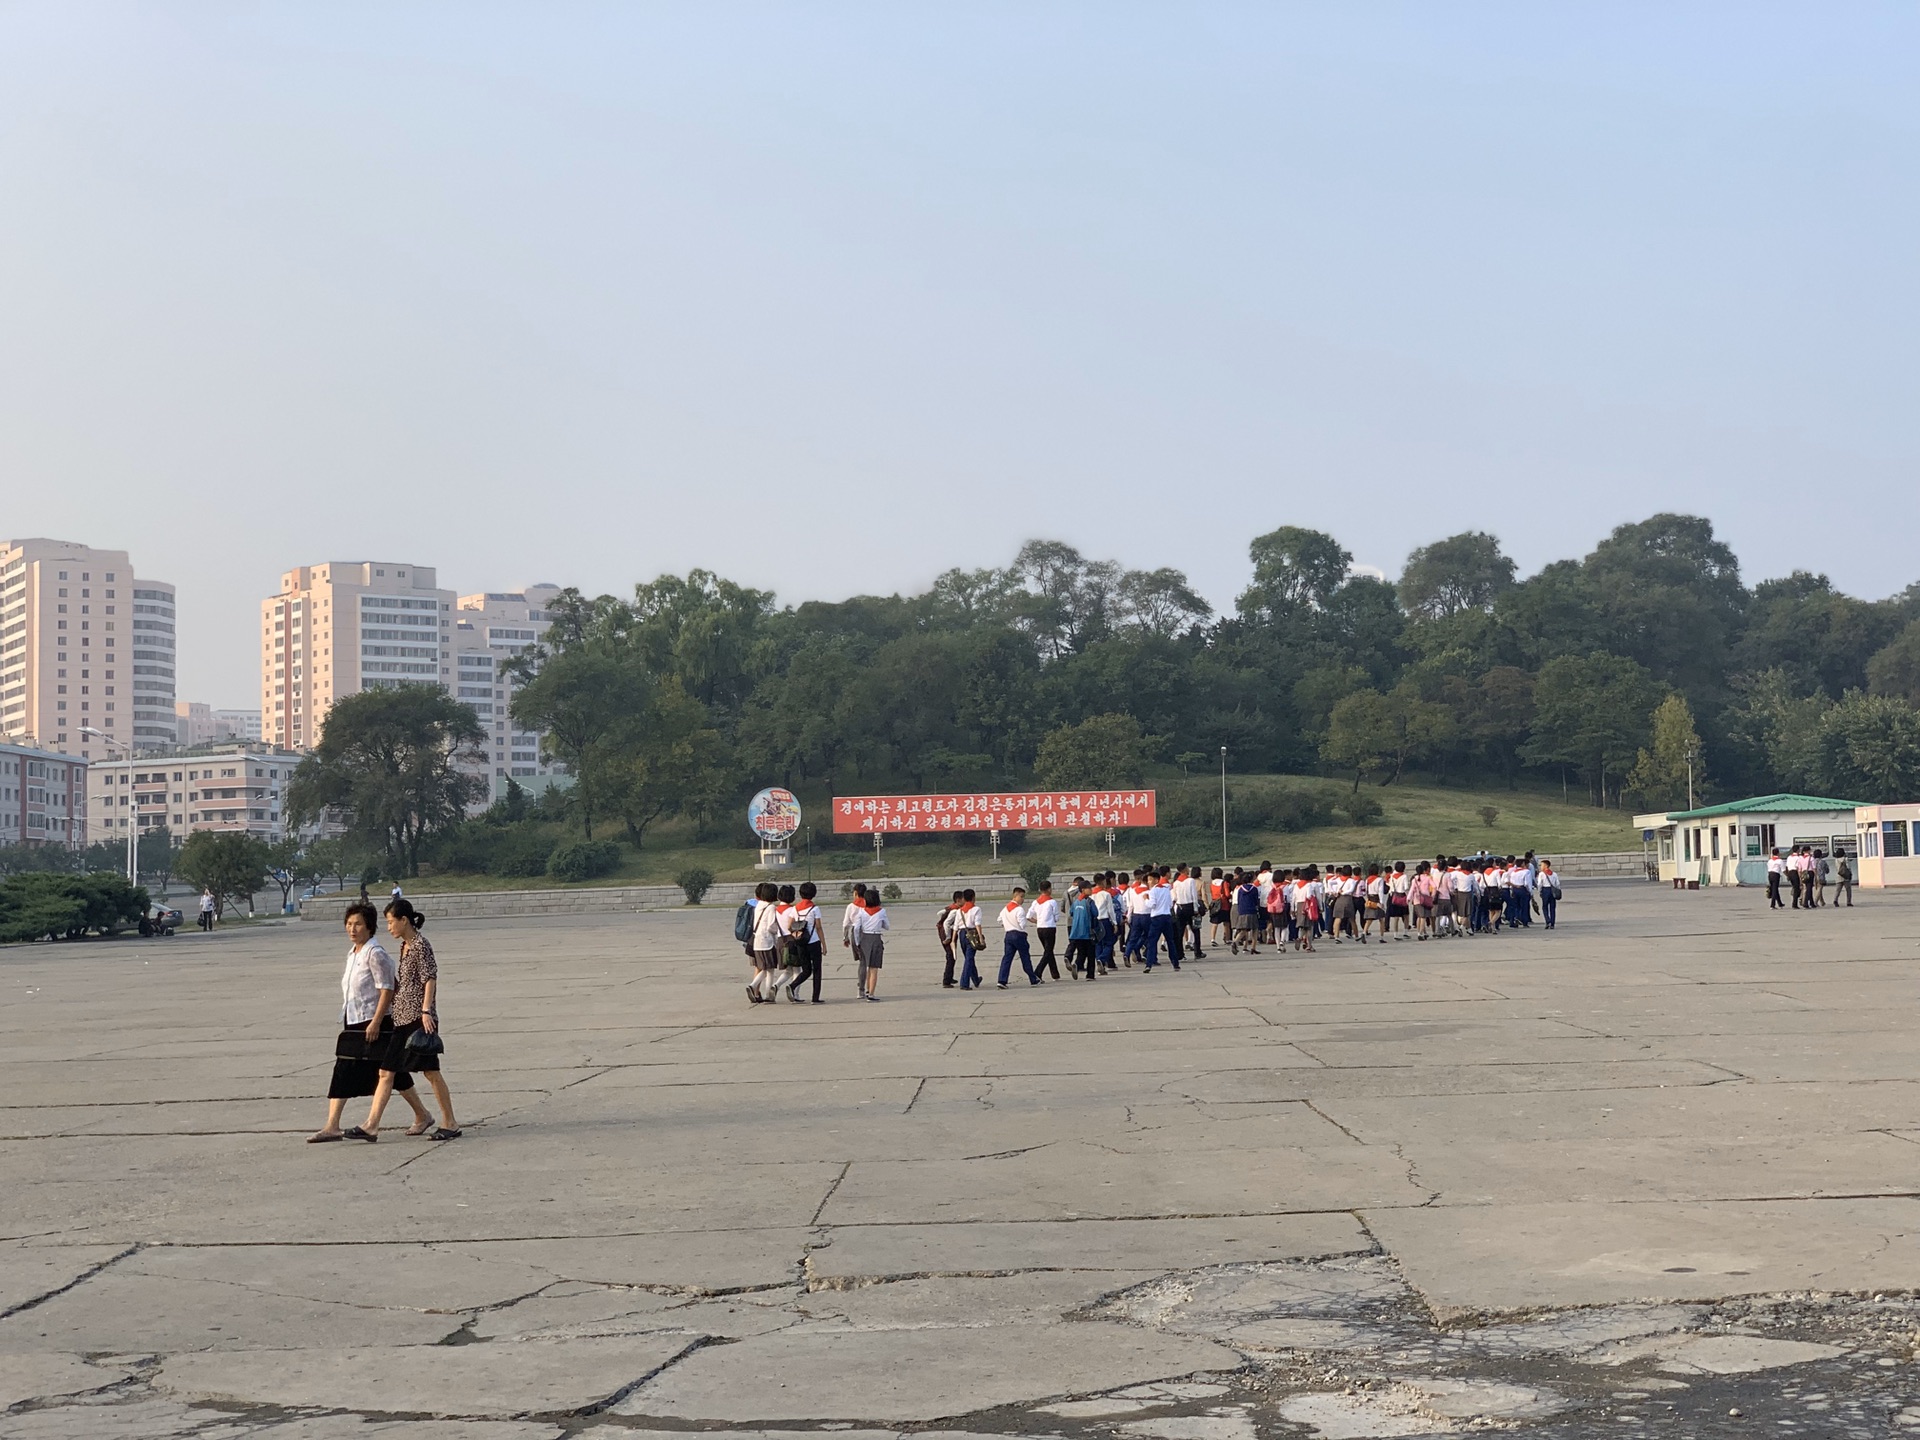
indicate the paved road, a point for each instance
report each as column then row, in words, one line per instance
column 1659, row 1164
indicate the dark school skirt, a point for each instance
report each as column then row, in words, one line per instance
column 400, row 1058
column 357, row 1065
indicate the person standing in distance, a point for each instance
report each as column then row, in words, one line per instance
column 1013, row 920
column 1046, row 924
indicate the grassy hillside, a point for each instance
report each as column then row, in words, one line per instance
column 1419, row 819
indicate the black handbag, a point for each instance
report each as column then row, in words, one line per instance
column 424, row 1042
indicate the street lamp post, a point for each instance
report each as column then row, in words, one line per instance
column 133, row 808
column 1223, row 805
column 1690, row 755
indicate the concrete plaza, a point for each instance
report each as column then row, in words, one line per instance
column 1662, row 1163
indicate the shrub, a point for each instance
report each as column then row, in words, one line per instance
column 55, row 905
column 1036, row 873
column 694, row 882
column 522, row 851
column 584, row 860
column 1489, row 814
column 1363, row 809
column 890, row 891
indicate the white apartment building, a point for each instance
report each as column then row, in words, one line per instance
column 490, row 629
column 43, row 797
column 84, row 645
column 343, row 627
column 238, row 786
column 198, row 724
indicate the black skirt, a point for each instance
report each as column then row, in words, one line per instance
column 402, row 1060
column 357, row 1065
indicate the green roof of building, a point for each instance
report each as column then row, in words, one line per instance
column 1766, row 805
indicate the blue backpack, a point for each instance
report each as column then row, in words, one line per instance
column 743, row 923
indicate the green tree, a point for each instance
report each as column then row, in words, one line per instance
column 288, row 865
column 674, row 760
column 1592, row 714
column 585, row 700
column 232, row 865
column 1659, row 778
column 156, row 853
column 1462, row 572
column 1869, row 749
column 1102, row 751
column 1293, row 570
column 1895, row 669
column 390, row 759
column 1361, row 734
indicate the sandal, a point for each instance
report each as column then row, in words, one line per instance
column 444, row 1134
column 356, row 1133
column 322, row 1137
column 420, row 1127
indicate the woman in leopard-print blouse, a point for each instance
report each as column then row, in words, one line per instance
column 414, row 996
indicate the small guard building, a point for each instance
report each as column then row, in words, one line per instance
column 1889, row 837
column 1729, row 844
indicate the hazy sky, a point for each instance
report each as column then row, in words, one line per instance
column 831, row 297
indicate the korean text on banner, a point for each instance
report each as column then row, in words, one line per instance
column 1020, row 810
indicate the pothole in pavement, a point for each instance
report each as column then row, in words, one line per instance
column 1344, row 1349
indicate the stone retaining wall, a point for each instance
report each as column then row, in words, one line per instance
column 629, row 899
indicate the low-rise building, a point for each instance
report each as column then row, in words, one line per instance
column 200, row 724
column 235, row 786
column 43, row 797
column 1889, row 840
column 1728, row 844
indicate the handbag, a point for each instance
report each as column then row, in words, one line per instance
column 425, row 1042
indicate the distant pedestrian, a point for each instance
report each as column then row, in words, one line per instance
column 1080, row 920
column 766, row 941
column 968, row 935
column 809, row 945
column 1844, row 889
column 208, row 909
column 1776, row 868
column 943, row 928
column 850, row 932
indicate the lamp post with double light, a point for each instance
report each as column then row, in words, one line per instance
column 133, row 805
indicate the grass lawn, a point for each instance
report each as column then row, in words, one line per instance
column 1420, row 819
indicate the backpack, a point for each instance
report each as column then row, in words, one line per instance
column 743, row 923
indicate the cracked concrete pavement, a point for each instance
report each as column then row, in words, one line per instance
column 1655, row 1167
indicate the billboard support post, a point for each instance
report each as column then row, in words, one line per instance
column 993, row 836
column 878, row 841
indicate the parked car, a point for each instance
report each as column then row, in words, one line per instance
column 162, row 922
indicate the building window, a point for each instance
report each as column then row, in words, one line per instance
column 1893, row 838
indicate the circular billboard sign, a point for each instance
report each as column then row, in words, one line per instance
column 773, row 814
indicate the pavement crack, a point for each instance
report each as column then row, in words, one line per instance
column 831, row 1189
column 1333, row 1122
column 80, row 1279
column 918, row 1090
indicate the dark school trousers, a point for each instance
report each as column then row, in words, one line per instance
column 1773, row 891
column 1793, row 879
column 946, row 977
column 1080, row 957
column 1158, row 928
column 1175, row 928
column 1016, row 944
column 812, row 963
column 1549, row 907
column 969, row 977
column 1046, row 961
column 1103, row 943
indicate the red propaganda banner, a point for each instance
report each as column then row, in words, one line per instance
column 1024, row 810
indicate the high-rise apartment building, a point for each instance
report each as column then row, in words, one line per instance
column 343, row 627
column 490, row 629
column 84, row 646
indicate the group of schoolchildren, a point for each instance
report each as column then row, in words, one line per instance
column 1117, row 918
column 1808, row 869
column 1112, row 920
column 780, row 928
column 1446, row 896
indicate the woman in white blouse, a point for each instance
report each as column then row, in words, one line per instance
column 366, row 997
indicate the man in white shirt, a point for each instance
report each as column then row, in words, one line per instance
column 1045, row 913
column 1187, row 910
column 1013, row 921
column 1776, row 867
